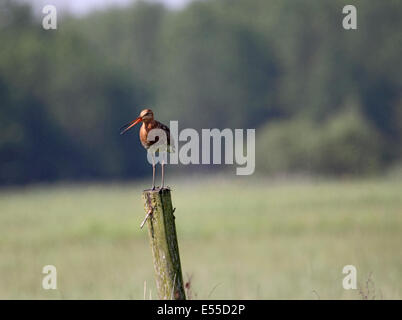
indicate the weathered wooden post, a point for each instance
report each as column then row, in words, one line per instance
column 163, row 239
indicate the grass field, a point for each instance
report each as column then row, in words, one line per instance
column 255, row 240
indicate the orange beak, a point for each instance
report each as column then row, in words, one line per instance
column 128, row 126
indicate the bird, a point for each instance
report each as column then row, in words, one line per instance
column 149, row 123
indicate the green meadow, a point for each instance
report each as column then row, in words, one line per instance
column 237, row 240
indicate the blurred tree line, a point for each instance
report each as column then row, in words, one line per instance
column 324, row 100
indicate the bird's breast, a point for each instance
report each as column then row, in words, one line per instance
column 144, row 137
column 147, row 127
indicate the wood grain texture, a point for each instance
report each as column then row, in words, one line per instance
column 163, row 240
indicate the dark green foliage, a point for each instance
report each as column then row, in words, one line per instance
column 343, row 144
column 323, row 100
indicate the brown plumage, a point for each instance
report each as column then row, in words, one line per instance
column 149, row 123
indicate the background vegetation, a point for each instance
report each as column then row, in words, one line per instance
column 324, row 100
column 276, row 241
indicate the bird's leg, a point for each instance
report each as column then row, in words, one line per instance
column 153, row 172
column 163, row 172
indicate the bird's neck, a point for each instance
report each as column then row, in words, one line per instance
column 149, row 124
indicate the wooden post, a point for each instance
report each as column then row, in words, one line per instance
column 163, row 239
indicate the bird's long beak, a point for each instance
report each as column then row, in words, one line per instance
column 129, row 125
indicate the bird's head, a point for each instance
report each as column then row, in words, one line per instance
column 146, row 115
